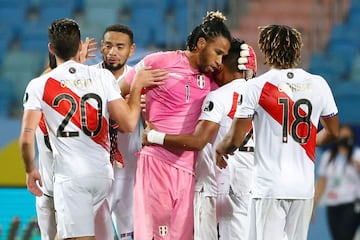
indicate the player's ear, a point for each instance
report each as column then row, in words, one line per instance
column 80, row 46
column 201, row 42
column 132, row 49
column 50, row 48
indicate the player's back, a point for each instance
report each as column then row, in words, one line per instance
column 74, row 102
column 288, row 104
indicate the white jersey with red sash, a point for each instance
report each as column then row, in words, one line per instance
column 73, row 98
column 220, row 106
column 286, row 106
column 45, row 157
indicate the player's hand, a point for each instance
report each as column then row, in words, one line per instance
column 149, row 126
column 221, row 159
column 88, row 50
column 34, row 182
column 147, row 77
column 223, row 150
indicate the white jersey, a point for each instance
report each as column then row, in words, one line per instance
column 220, row 106
column 74, row 98
column 342, row 178
column 128, row 143
column 45, row 158
column 286, row 106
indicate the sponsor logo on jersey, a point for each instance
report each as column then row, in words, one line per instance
column 208, row 107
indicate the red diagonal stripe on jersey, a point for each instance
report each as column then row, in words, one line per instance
column 234, row 105
column 53, row 89
column 269, row 101
column 42, row 125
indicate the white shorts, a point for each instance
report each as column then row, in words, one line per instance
column 205, row 226
column 121, row 199
column 283, row 219
column 77, row 202
column 103, row 224
column 45, row 212
column 233, row 212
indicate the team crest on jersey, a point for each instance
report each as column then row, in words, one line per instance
column 163, row 230
column 26, row 97
column 200, row 81
column 209, row 106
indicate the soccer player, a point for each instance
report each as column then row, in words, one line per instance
column 45, row 210
column 77, row 101
column 221, row 197
column 117, row 46
column 285, row 106
column 164, row 181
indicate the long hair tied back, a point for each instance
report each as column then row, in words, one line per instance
column 280, row 45
column 212, row 26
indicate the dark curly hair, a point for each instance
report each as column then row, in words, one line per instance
column 280, row 46
column 211, row 27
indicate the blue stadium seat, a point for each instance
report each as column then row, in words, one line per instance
column 355, row 71
column 102, row 16
column 108, row 3
column 145, row 22
column 6, row 97
column 51, row 12
column 345, row 32
column 344, row 51
column 347, row 95
column 34, row 36
column 328, row 66
column 13, row 16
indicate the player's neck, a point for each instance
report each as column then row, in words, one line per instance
column 119, row 72
column 192, row 57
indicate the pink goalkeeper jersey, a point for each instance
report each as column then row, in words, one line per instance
column 286, row 105
column 174, row 107
column 73, row 98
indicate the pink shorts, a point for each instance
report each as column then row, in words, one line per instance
column 163, row 198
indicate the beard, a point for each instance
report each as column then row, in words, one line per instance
column 113, row 67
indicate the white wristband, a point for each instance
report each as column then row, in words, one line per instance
column 156, row 137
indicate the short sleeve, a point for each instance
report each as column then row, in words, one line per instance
column 32, row 96
column 212, row 109
column 330, row 108
column 248, row 100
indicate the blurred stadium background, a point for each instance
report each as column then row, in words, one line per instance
column 331, row 37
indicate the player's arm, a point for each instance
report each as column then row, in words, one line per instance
column 232, row 140
column 124, row 88
column 30, row 121
column 204, row 132
column 330, row 131
column 320, row 186
column 126, row 114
